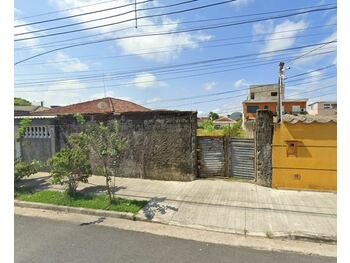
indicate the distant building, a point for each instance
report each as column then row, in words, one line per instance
column 27, row 110
column 266, row 97
column 223, row 121
column 323, row 108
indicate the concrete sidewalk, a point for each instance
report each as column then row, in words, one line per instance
column 225, row 206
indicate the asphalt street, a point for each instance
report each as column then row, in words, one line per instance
column 44, row 240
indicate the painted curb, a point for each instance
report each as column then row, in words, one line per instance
column 77, row 210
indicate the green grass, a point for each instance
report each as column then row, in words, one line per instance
column 79, row 200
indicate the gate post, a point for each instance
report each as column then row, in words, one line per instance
column 263, row 147
column 226, row 155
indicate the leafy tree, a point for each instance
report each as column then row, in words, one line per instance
column 107, row 146
column 21, row 102
column 25, row 169
column 71, row 165
column 213, row 116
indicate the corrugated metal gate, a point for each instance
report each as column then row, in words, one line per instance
column 225, row 157
column 242, row 158
column 211, row 156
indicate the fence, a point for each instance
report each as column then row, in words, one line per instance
column 226, row 157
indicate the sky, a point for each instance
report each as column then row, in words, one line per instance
column 207, row 65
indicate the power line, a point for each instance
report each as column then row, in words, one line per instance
column 170, row 50
column 307, row 73
column 118, row 38
column 191, row 21
column 116, row 23
column 175, row 12
column 64, row 10
column 101, row 18
column 83, row 14
column 223, row 58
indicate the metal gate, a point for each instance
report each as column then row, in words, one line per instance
column 226, row 157
column 242, row 158
column 211, row 156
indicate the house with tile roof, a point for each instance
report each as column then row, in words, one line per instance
column 104, row 105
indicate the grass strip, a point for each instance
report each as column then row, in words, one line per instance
column 79, row 200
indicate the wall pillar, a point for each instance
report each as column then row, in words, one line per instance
column 263, row 147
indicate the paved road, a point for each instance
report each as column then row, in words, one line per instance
column 43, row 240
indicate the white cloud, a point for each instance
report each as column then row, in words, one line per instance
column 293, row 29
column 60, row 94
column 238, row 83
column 25, row 29
column 315, row 55
column 67, row 64
column 133, row 45
column 210, row 85
column 146, row 80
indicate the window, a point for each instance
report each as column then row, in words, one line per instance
column 252, row 109
column 252, row 95
column 292, row 148
column 327, row 106
column 295, row 108
column 273, row 94
column 266, row 107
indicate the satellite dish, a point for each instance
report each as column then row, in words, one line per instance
column 102, row 105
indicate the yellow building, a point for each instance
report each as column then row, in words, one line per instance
column 304, row 153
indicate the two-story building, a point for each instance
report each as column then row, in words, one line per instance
column 324, row 108
column 266, row 97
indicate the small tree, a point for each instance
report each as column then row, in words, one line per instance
column 213, row 116
column 71, row 165
column 107, row 146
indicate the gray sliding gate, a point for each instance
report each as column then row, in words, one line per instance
column 225, row 157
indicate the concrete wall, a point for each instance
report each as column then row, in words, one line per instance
column 161, row 144
column 318, row 109
column 36, row 147
column 315, row 163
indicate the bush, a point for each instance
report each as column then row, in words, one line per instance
column 234, row 130
column 71, row 165
column 25, row 169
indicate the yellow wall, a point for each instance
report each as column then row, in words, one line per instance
column 315, row 166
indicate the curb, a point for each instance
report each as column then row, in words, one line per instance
column 102, row 213
column 77, row 210
column 303, row 236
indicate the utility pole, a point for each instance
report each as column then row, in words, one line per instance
column 135, row 13
column 280, row 92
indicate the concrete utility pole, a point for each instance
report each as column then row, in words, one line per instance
column 280, row 91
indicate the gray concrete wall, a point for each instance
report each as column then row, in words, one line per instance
column 161, row 144
column 263, row 147
column 263, row 92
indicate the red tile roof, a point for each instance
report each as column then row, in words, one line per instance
column 105, row 105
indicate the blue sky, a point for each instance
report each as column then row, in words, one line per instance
column 86, row 72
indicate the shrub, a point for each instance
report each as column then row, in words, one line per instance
column 25, row 169
column 71, row 165
column 234, row 130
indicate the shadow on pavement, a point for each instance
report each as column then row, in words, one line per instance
column 154, row 206
column 42, row 183
column 100, row 220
